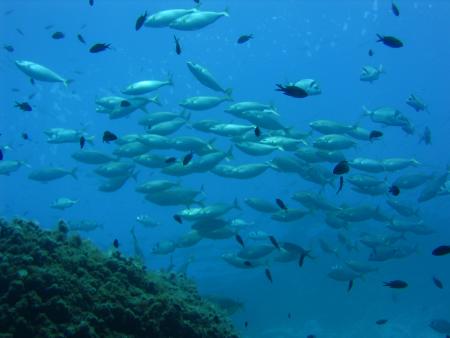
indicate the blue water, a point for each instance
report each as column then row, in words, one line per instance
column 323, row 40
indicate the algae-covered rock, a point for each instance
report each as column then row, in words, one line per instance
column 55, row 285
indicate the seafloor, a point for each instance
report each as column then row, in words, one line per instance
column 53, row 284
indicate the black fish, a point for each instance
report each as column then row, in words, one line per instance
column 396, row 284
column 99, row 47
column 177, row 45
column 381, row 321
column 125, row 103
column 281, row 204
column 108, row 137
column 25, row 136
column 341, row 168
column 9, row 48
column 301, row 260
column 438, row 283
column 248, row 263
column 80, row 38
column 426, row 136
column 370, row 52
column 244, row 38
column 188, row 158
column 140, row 21
column 32, row 81
column 116, row 243
column 441, row 250
column 178, row 219
column 274, row 242
column 82, row 142
column 291, row 90
column 341, row 184
column 390, row 41
column 289, row 315
column 311, row 336
column 58, row 35
column 91, row 2
column 350, row 285
column 246, row 322
column 24, row 106
column 374, row 134
column 1, row 154
column 268, row 275
column 170, row 160
column 239, row 240
column 395, row 9
column 257, row 132
column 18, row 30
column 394, row 190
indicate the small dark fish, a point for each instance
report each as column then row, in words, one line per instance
column 244, row 38
column 170, row 160
column 91, row 2
column 390, row 41
column 394, row 190
column 441, row 250
column 350, row 285
column 177, row 218
column 9, row 48
column 32, row 81
column 140, row 21
column 188, row 158
column 381, row 321
column 116, row 243
column 18, row 30
column 246, row 322
column 81, row 39
column 375, row 134
column 268, row 275
column 301, row 260
column 370, row 52
column 395, row 9
column 125, row 103
column 1, row 155
column 177, row 45
column 239, row 240
column 311, row 336
column 341, row 168
column 291, row 90
column 396, row 284
column 25, row 136
column 289, row 315
column 24, row 106
column 274, row 242
column 82, row 142
column 341, row 184
column 108, row 137
column 281, row 204
column 99, row 47
column 257, row 132
column 58, row 35
column 426, row 136
column 438, row 282
column 248, row 263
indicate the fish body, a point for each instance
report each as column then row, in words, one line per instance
column 188, row 239
column 395, row 164
column 83, row 225
column 174, row 196
column 200, row 103
column 92, row 157
column 411, row 181
column 58, row 35
column 261, row 205
column 164, row 248
column 205, row 77
column 165, row 17
column 244, row 171
column 396, row 284
column 115, row 169
column 244, row 38
column 289, row 215
column 168, row 127
column 441, row 250
column 196, row 20
column 155, row 186
column 240, row 107
column 255, row 252
column 441, row 326
column 343, row 274
column 370, row 73
column 131, row 149
column 388, row 116
column 390, row 41
column 47, row 174
column 146, row 86
column 147, row 221
column 329, row 127
column 40, row 73
column 403, row 209
column 433, row 187
column 9, row 166
column 416, row 103
column 62, row 135
column 99, row 47
column 63, row 203
column 140, row 21
column 333, row 142
column 367, row 164
column 358, row 213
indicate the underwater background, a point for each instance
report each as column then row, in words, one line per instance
column 323, row 40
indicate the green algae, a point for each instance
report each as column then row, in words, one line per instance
column 55, row 285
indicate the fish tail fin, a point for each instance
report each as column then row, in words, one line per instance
column 236, row 204
column 228, row 92
column 226, row 12
column 228, row 97
column 381, row 69
column 134, row 176
column 73, row 173
column 24, row 163
column 155, row 99
column 366, row 112
column 68, row 82
column 170, row 77
column 380, row 38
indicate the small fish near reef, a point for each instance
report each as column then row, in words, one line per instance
column 108, row 137
column 99, row 47
column 441, row 250
column 244, row 38
column 140, row 21
column 24, row 106
column 396, row 284
column 293, row 91
column 390, row 41
column 58, row 35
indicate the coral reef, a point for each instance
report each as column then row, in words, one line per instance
column 56, row 285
